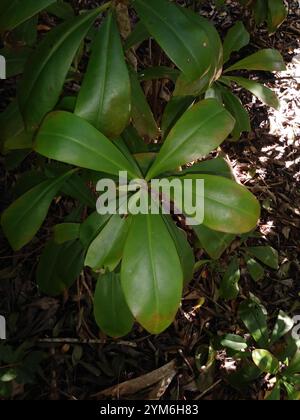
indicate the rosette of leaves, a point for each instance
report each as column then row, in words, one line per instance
column 141, row 262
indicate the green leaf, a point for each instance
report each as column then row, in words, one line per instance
column 59, row 266
column 76, row 188
column 104, row 99
column 46, row 71
column 15, row 12
column 159, row 72
column 61, row 9
column 239, row 113
column 137, row 36
column 65, row 232
column 292, row 392
column 143, row 119
column 175, row 108
column 265, row 361
column 15, row 60
column 183, row 40
column 91, row 227
column 133, row 141
column 70, row 139
column 236, row 38
column 213, row 53
column 294, row 365
column 264, row 94
column 277, row 13
column 145, row 160
column 22, row 220
column 229, row 288
column 184, row 250
column 228, row 206
column 110, row 308
column 234, row 342
column 266, row 60
column 256, row 271
column 217, row 166
column 283, row 325
column 265, row 254
column 107, row 248
column 274, row 395
column 214, row 243
column 254, row 317
column 151, row 274
column 199, row 131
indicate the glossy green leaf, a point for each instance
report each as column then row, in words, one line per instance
column 70, row 139
column 151, row 274
column 159, row 72
column 182, row 39
column 137, row 36
column 22, row 219
column 229, row 288
column 217, row 166
column 213, row 53
column 199, row 131
column 254, row 317
column 110, row 308
column 277, row 13
column 214, row 243
column 266, row 60
column 65, row 232
column 184, row 250
column 264, row 94
column 59, row 267
column 15, row 12
column 104, row 99
column 107, row 248
column 91, row 227
column 283, row 325
column 265, row 254
column 234, row 342
column 237, row 110
column 143, row 119
column 46, row 71
column 175, row 108
column 256, row 271
column 265, row 361
column 228, row 207
column 236, row 38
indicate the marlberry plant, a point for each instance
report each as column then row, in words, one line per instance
column 272, row 12
column 272, row 353
column 140, row 261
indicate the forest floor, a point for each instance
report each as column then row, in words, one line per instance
column 78, row 363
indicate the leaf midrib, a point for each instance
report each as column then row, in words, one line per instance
column 84, row 146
